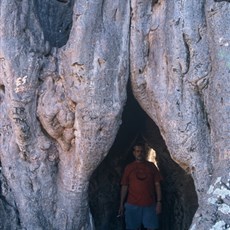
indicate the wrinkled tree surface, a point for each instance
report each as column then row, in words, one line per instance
column 63, row 72
column 179, row 70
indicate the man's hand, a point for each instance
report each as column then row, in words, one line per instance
column 121, row 211
column 124, row 191
column 158, row 207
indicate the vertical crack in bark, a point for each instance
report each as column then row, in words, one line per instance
column 188, row 55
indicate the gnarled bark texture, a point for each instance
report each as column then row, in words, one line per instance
column 60, row 105
column 63, row 72
column 179, row 70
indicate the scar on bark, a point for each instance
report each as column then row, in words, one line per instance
column 154, row 2
column 64, row 1
column 221, row 0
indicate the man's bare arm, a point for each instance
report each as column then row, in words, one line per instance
column 159, row 197
column 124, row 191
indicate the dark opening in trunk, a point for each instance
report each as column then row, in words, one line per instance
column 179, row 196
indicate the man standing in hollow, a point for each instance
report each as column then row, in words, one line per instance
column 141, row 182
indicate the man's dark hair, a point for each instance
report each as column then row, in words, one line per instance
column 139, row 144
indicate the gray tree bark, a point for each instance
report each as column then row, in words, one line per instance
column 179, row 70
column 61, row 99
column 60, row 107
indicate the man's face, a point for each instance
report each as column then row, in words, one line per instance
column 138, row 153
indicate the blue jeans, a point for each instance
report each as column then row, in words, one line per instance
column 137, row 215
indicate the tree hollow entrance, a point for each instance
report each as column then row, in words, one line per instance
column 179, row 195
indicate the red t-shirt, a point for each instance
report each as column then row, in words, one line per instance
column 140, row 177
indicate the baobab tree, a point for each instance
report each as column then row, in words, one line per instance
column 63, row 74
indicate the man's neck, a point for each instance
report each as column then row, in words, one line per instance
column 140, row 160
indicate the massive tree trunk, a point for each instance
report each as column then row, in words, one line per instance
column 179, row 70
column 63, row 72
column 60, row 105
